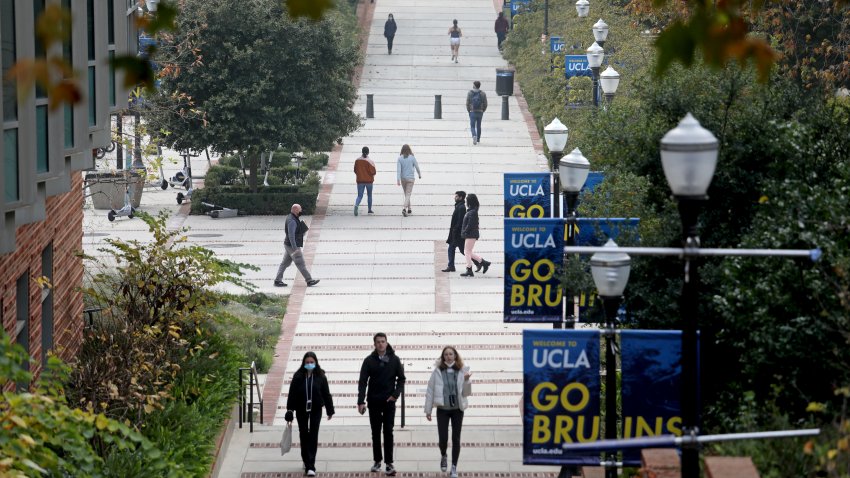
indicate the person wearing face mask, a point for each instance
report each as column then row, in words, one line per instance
column 447, row 390
column 294, row 230
column 308, row 393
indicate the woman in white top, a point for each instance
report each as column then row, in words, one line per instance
column 406, row 170
column 447, row 390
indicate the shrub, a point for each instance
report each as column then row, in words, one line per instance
column 267, row 201
column 222, row 176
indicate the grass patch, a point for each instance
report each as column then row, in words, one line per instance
column 252, row 324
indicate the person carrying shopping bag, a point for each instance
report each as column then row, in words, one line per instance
column 308, row 393
column 447, row 390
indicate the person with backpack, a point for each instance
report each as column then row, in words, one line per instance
column 454, row 39
column 476, row 105
column 389, row 33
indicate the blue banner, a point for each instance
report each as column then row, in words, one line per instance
column 517, row 6
column 596, row 231
column 651, row 385
column 528, row 195
column 534, row 251
column 560, row 395
column 576, row 65
column 593, row 180
column 556, row 45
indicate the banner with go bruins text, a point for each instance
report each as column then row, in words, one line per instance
column 560, row 395
column 528, row 195
column 534, row 251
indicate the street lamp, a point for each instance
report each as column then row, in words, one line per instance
column 689, row 157
column 573, row 170
column 556, row 134
column 610, row 274
column 582, row 8
column 595, row 54
column 600, row 32
column 151, row 5
column 609, row 80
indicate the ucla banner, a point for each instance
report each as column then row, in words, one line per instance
column 528, row 195
column 651, row 393
column 576, row 65
column 560, row 395
column 534, row 250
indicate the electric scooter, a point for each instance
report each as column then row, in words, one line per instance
column 128, row 208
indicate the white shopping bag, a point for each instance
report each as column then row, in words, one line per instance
column 286, row 440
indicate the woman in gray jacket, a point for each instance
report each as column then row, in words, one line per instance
column 447, row 390
column 469, row 233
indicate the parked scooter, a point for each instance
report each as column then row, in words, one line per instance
column 128, row 210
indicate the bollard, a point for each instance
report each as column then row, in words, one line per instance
column 438, row 107
column 505, row 113
column 370, row 106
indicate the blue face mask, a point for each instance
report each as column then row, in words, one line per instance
column 309, row 366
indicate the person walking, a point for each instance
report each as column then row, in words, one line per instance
column 308, row 393
column 469, row 232
column 382, row 374
column 501, row 28
column 389, row 33
column 447, row 390
column 476, row 105
column 294, row 230
column 454, row 39
column 364, row 169
column 405, row 176
column 455, row 240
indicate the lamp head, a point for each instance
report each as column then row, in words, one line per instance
column 582, row 8
column 609, row 80
column 600, row 31
column 595, row 54
column 151, row 4
column 689, row 157
column 610, row 270
column 556, row 134
column 573, row 169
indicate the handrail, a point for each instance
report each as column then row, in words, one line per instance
column 253, row 383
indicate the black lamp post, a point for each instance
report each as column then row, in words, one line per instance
column 556, row 134
column 689, row 157
column 595, row 54
column 610, row 274
column 573, row 170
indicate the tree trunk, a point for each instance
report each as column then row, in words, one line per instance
column 253, row 164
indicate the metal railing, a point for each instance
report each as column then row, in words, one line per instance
column 246, row 408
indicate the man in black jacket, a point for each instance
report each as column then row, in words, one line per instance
column 454, row 240
column 383, row 374
column 294, row 230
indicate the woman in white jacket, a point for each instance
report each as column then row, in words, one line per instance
column 447, row 390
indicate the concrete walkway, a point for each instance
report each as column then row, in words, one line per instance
column 381, row 272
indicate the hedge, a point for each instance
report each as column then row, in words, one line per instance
column 270, row 201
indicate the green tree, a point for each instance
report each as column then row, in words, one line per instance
column 257, row 79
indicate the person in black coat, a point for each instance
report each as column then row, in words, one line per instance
column 382, row 374
column 389, row 32
column 308, row 393
column 470, row 234
column 455, row 240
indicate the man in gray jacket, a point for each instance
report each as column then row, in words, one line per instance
column 293, row 242
column 476, row 105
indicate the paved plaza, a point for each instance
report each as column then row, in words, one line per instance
column 381, row 272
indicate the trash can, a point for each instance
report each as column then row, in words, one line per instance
column 504, row 82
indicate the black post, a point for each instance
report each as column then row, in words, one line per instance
column 595, row 71
column 611, row 305
column 689, row 208
column 137, row 142
column 251, row 401
column 506, row 115
column 570, row 203
column 119, row 145
column 241, row 400
column 438, row 106
column 370, row 106
column 556, row 212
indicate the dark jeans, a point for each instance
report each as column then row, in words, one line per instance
column 382, row 414
column 475, row 123
column 452, row 248
column 390, row 43
column 308, row 431
column 360, row 188
column 501, row 36
column 443, row 417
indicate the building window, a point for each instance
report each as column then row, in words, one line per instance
column 111, row 76
column 90, row 25
column 9, row 54
column 68, row 56
column 38, row 9
column 47, row 303
column 69, row 126
column 22, row 329
column 42, row 144
column 92, row 97
column 11, row 178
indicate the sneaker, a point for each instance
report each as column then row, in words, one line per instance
column 376, row 467
column 279, row 283
column 371, row 212
column 454, row 472
column 455, row 59
column 409, row 211
column 474, row 140
column 355, row 210
column 311, row 283
column 404, row 212
column 444, row 463
column 311, row 473
column 390, row 470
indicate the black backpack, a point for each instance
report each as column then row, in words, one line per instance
column 476, row 100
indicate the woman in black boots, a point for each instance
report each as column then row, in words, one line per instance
column 308, row 393
column 469, row 232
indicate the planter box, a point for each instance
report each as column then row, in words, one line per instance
column 107, row 188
